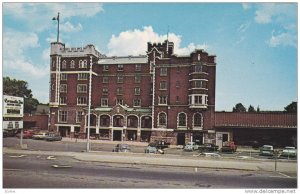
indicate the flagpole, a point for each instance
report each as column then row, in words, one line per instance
column 58, row 27
column 57, row 18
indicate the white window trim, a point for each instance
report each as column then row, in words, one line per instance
column 181, row 126
column 102, row 100
column 79, row 87
column 158, row 118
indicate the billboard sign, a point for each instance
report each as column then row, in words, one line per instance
column 13, row 106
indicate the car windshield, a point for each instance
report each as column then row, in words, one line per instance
column 267, row 147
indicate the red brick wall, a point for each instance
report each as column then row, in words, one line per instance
column 256, row 119
column 41, row 121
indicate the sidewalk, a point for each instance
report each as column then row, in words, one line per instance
column 152, row 159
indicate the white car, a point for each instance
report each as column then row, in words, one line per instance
column 191, row 146
column 289, row 152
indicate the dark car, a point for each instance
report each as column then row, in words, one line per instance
column 151, row 148
column 121, row 148
column 53, row 137
column 161, row 144
column 208, row 148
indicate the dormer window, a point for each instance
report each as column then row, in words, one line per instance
column 199, row 57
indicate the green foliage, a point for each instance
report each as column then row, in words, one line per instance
column 251, row 109
column 239, row 107
column 291, row 108
column 20, row 88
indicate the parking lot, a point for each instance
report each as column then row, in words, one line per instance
column 74, row 145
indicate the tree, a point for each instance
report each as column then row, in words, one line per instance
column 251, row 109
column 291, row 108
column 20, row 88
column 239, row 107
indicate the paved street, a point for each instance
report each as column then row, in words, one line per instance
column 65, row 164
column 66, row 172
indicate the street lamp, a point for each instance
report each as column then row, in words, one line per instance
column 89, row 106
column 57, row 18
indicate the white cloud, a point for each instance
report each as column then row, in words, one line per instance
column 46, row 54
column 39, row 15
column 68, row 27
column 246, row 6
column 243, row 27
column 14, row 45
column 134, row 42
column 285, row 39
column 269, row 12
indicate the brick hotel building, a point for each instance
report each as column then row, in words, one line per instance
column 159, row 95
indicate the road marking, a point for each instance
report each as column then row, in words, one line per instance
column 51, row 158
column 284, row 175
column 57, row 166
column 20, row 156
column 12, row 169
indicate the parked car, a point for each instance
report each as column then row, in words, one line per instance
column 266, row 150
column 161, row 144
column 121, row 148
column 229, row 147
column 53, row 137
column 40, row 136
column 208, row 148
column 151, row 148
column 191, row 146
column 289, row 152
column 26, row 134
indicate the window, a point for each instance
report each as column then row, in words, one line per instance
column 138, row 67
column 162, row 120
column 72, row 65
column 105, row 79
column 83, row 64
column 198, row 68
column 63, row 76
column 163, row 85
column 64, row 64
column 137, row 102
column 198, row 120
column 120, row 67
column 104, row 91
column 62, row 116
column 63, row 88
column 81, row 88
column 104, row 102
column 79, row 115
column 81, row 100
column 120, row 79
column 53, row 64
column 182, row 120
column 198, row 100
column 177, row 69
column 163, row 71
column 137, row 91
column 105, row 67
column 119, row 91
column 104, row 121
column 137, row 79
column 83, row 76
column 200, row 84
column 199, row 57
column 177, row 99
column 177, row 84
column 62, row 100
column 162, row 100
column 120, row 101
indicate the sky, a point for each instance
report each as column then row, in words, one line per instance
column 255, row 43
